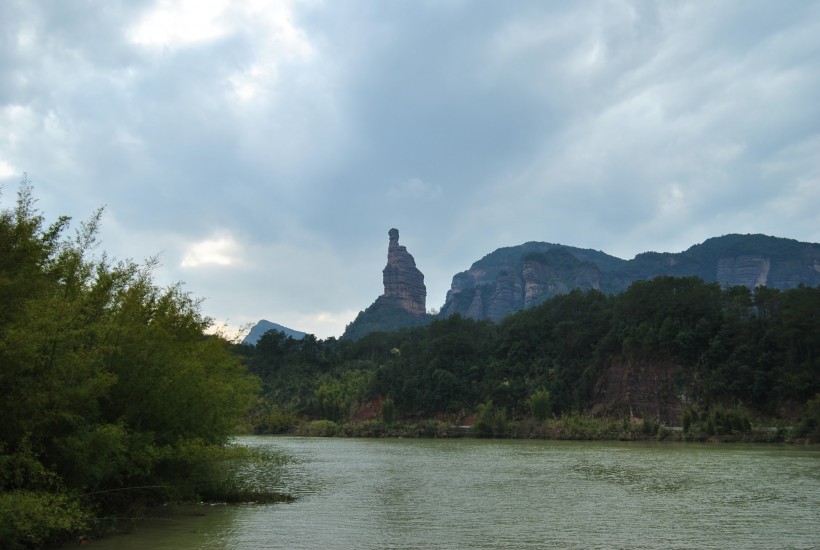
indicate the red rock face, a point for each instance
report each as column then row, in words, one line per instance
column 402, row 279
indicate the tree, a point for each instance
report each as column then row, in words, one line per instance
column 107, row 381
column 540, row 405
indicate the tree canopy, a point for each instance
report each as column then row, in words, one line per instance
column 110, row 390
column 754, row 348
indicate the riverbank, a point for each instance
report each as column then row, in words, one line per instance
column 574, row 427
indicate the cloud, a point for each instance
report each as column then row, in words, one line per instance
column 180, row 23
column 221, row 251
column 7, row 170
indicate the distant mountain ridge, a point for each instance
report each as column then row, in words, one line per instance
column 514, row 278
column 264, row 326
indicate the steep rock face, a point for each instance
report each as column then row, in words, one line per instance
column 404, row 301
column 508, row 296
column 750, row 271
column 515, row 278
column 508, row 282
column 402, row 279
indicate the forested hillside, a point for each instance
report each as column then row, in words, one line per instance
column 670, row 349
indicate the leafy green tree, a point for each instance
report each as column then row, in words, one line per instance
column 339, row 397
column 540, row 405
column 491, row 421
column 107, row 381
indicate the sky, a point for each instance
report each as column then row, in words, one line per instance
column 261, row 150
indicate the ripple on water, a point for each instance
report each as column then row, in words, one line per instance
column 516, row 494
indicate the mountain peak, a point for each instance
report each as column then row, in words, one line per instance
column 404, row 301
column 264, row 326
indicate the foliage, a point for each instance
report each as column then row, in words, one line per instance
column 540, row 404
column 270, row 418
column 725, row 421
column 686, row 419
column 321, row 428
column 809, row 426
column 388, row 410
column 110, row 390
column 338, row 397
column 490, row 421
column 30, row 519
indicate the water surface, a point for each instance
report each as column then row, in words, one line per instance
column 467, row 493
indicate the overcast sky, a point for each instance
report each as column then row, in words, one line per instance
column 263, row 149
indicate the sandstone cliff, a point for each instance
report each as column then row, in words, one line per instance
column 402, row 279
column 514, row 278
column 404, row 301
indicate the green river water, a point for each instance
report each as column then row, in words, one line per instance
column 468, row 493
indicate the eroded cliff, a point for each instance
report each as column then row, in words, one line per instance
column 402, row 279
column 404, row 301
column 515, row 278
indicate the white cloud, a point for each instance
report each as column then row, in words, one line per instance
column 7, row 170
column 182, row 22
column 220, row 251
column 269, row 26
column 279, row 40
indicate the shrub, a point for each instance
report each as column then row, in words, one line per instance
column 388, row 411
column 490, row 421
column 321, row 428
column 540, row 404
column 274, row 421
column 686, row 419
column 809, row 426
column 30, row 519
column 727, row 421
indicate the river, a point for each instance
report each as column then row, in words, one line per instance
column 468, row 493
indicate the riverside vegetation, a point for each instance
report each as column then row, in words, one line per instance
column 113, row 399
column 744, row 366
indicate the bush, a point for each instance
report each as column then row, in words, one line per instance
column 490, row 421
column 727, row 421
column 649, row 426
column 388, row 411
column 809, row 426
column 540, row 405
column 274, row 421
column 687, row 416
column 30, row 519
column 320, row 428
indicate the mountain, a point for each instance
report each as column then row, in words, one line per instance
column 264, row 326
column 514, row 278
column 404, row 300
